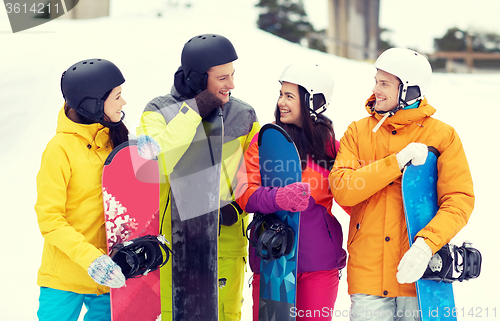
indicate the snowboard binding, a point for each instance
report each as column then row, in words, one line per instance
column 141, row 255
column 271, row 237
column 453, row 263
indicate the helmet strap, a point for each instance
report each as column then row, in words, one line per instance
column 312, row 112
column 401, row 104
column 408, row 95
column 320, row 110
column 111, row 124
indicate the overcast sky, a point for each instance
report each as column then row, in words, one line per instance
column 416, row 23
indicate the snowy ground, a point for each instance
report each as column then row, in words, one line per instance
column 147, row 49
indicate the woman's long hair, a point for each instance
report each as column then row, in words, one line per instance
column 315, row 138
column 117, row 134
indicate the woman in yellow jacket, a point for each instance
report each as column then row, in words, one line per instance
column 75, row 269
column 382, row 269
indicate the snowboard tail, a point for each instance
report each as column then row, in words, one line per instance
column 279, row 166
column 436, row 300
column 131, row 191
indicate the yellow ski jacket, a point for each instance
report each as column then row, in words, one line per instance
column 367, row 177
column 69, row 205
column 173, row 120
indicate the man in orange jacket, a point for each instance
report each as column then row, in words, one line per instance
column 382, row 268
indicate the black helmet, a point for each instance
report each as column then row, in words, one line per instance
column 85, row 86
column 201, row 53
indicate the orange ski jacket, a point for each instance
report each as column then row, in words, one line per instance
column 367, row 177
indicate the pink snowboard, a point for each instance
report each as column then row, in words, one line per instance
column 131, row 194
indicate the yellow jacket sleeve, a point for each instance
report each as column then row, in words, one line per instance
column 173, row 126
column 58, row 227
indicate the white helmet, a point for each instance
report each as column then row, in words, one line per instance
column 411, row 68
column 314, row 79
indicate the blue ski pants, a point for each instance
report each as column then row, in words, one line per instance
column 58, row 305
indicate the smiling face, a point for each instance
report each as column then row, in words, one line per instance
column 386, row 91
column 289, row 104
column 113, row 105
column 221, row 81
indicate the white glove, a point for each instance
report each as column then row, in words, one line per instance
column 414, row 263
column 414, row 152
column 106, row 272
column 147, row 147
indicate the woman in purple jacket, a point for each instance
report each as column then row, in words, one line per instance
column 305, row 93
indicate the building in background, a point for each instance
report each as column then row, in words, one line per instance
column 353, row 30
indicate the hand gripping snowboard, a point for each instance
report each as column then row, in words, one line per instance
column 195, row 184
column 130, row 186
column 435, row 299
column 279, row 166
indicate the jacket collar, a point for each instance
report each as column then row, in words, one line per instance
column 91, row 133
column 176, row 94
column 402, row 117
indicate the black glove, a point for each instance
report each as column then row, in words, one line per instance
column 229, row 214
column 207, row 102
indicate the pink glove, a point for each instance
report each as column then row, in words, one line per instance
column 294, row 197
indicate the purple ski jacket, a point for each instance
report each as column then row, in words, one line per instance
column 320, row 238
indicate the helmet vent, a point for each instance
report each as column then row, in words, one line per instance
column 84, row 62
column 92, row 63
column 74, row 68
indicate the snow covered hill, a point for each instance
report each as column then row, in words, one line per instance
column 147, row 49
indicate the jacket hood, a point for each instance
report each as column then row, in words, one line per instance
column 402, row 117
column 177, row 95
column 180, row 85
column 88, row 132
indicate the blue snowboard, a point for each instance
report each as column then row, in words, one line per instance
column 279, row 166
column 435, row 299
